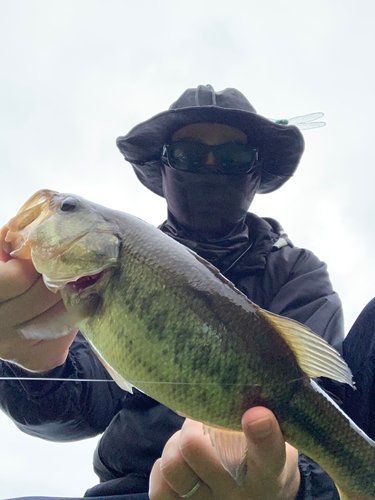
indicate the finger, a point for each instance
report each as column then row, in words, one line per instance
column 44, row 355
column 4, row 256
column 266, row 444
column 16, row 277
column 176, row 471
column 31, row 304
column 159, row 489
column 201, row 456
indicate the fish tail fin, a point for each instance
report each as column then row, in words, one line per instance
column 231, row 448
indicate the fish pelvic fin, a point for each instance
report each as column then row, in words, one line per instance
column 231, row 448
column 119, row 379
column 342, row 495
column 350, row 496
column 314, row 355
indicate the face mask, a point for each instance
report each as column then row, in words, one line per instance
column 209, row 205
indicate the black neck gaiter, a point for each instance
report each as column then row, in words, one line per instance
column 206, row 212
column 221, row 252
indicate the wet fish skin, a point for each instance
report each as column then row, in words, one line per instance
column 168, row 323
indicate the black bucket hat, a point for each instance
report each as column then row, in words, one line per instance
column 280, row 146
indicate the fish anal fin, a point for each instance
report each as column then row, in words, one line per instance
column 231, row 448
column 119, row 379
column 314, row 355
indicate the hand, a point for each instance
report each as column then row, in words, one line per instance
column 27, row 305
column 189, row 458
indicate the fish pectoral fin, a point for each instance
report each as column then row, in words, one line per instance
column 52, row 324
column 231, row 448
column 119, row 379
column 314, row 355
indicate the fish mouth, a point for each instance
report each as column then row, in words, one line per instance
column 84, row 282
column 77, row 285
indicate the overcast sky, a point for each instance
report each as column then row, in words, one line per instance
column 75, row 74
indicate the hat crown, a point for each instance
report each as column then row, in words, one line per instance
column 205, row 95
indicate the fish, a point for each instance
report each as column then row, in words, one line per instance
column 165, row 321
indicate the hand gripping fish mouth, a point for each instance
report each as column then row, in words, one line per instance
column 69, row 243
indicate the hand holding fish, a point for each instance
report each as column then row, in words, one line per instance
column 189, row 459
column 26, row 303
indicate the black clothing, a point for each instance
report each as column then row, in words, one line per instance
column 272, row 272
column 359, row 352
column 209, row 205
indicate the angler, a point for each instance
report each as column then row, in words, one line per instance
column 208, row 156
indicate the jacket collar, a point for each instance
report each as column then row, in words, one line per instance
column 244, row 250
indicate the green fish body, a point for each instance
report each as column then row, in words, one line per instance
column 168, row 323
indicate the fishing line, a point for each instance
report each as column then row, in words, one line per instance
column 51, row 379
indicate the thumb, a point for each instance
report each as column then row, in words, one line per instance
column 266, row 444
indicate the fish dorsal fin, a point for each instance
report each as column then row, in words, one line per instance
column 119, row 379
column 231, row 448
column 314, row 355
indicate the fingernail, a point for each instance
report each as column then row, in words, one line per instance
column 260, row 428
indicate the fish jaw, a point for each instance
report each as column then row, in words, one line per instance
column 81, row 263
column 67, row 238
column 31, row 214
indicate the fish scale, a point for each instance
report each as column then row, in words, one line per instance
column 346, row 456
column 185, row 335
column 167, row 322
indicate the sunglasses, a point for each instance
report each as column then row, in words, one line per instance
column 191, row 156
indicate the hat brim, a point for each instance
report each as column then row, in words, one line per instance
column 280, row 146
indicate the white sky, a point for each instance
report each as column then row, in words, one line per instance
column 75, row 74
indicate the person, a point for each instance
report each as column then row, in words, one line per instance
column 208, row 155
column 359, row 352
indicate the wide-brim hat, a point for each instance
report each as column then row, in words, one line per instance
column 280, row 146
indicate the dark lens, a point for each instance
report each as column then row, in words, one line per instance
column 235, row 158
column 186, row 156
column 230, row 158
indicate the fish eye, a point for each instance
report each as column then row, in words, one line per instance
column 69, row 205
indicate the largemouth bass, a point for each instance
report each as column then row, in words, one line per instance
column 167, row 322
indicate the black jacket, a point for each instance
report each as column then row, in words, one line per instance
column 273, row 273
column 359, row 352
